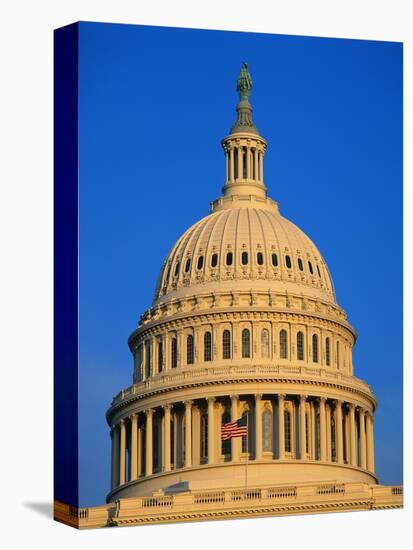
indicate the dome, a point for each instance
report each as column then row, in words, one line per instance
column 250, row 247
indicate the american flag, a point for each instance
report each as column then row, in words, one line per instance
column 234, row 429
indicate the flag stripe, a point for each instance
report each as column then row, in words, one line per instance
column 234, row 429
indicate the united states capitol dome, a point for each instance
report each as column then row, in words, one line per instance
column 244, row 241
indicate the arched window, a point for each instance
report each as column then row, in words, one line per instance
column 190, row 349
column 177, row 269
column 244, row 258
column 236, row 163
column 207, row 346
column 246, row 343
column 214, row 260
column 267, row 430
column 174, row 353
column 288, row 261
column 318, row 271
column 338, row 354
column 328, row 351
column 300, row 346
column 274, row 259
column 160, row 355
column 226, row 344
column 283, row 344
column 204, row 436
column 260, row 258
column 310, row 267
column 148, row 359
column 315, row 348
column 187, row 265
column 200, row 263
column 265, row 343
column 300, row 264
column 229, row 258
column 287, row 431
column 226, row 444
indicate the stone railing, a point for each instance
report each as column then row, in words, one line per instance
column 188, row 375
column 281, row 499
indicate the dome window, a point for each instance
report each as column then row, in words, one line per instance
column 207, row 346
column 174, row 353
column 168, row 273
column 187, row 265
column 229, row 258
column 283, row 344
column 315, row 348
column 226, row 344
column 190, row 350
column 318, row 271
column 300, row 264
column 300, row 346
column 214, row 260
column 310, row 267
column 288, row 262
column 177, row 269
column 200, row 263
column 246, row 343
column 274, row 259
column 328, row 361
column 244, row 258
column 160, row 356
column 260, row 258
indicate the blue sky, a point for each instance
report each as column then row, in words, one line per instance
column 154, row 105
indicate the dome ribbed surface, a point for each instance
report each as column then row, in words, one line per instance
column 260, row 241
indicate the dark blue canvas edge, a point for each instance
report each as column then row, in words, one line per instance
column 65, row 429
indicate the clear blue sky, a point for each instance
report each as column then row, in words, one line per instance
column 154, row 105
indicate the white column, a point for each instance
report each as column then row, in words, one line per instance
column 188, row 434
column 240, row 174
column 258, row 427
column 149, row 442
column 211, row 431
column 231, row 164
column 303, row 435
column 226, row 166
column 339, row 431
column 247, row 161
column 328, row 432
column 234, row 440
column 140, row 449
column 363, row 461
column 353, row 435
column 167, row 438
column 255, row 175
column 122, row 452
column 261, row 166
column 323, row 434
column 134, row 447
column 281, row 430
column 370, row 442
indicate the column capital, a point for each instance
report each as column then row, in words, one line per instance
column 211, row 399
column 351, row 406
column 370, row 414
column 149, row 412
column 121, row 422
column 234, row 397
column 322, row 399
column 281, row 396
column 303, row 397
column 167, row 407
column 258, row 396
column 188, row 403
column 133, row 416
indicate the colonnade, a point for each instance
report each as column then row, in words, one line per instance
column 244, row 162
column 280, row 427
